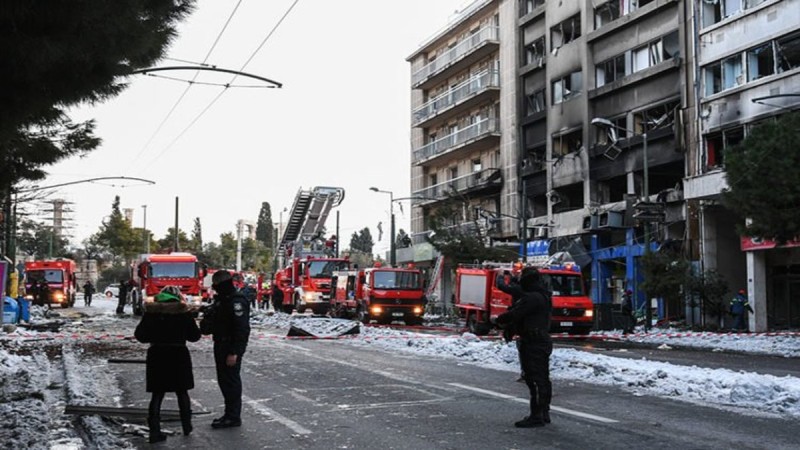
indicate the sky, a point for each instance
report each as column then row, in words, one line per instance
column 342, row 118
column 90, row 380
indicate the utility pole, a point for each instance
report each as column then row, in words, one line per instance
column 337, row 234
column 239, row 226
column 176, row 244
column 146, row 233
column 524, row 224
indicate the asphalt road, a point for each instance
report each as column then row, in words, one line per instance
column 328, row 394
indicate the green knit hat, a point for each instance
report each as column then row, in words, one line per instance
column 165, row 297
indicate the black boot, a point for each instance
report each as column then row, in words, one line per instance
column 154, row 422
column 184, row 405
column 186, row 424
column 546, row 414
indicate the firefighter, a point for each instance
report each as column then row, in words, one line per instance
column 628, row 311
column 739, row 308
column 122, row 296
column 167, row 324
column 88, row 291
column 229, row 321
column 529, row 318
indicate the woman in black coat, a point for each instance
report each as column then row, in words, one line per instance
column 166, row 325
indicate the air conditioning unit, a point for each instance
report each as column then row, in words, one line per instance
column 610, row 219
column 590, row 222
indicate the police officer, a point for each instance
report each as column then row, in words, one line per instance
column 229, row 322
column 530, row 319
column 513, row 289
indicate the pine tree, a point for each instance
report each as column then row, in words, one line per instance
column 65, row 53
column 117, row 235
column 196, row 243
column 763, row 173
column 264, row 230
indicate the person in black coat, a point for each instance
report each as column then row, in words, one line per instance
column 529, row 318
column 166, row 325
column 228, row 319
column 513, row 289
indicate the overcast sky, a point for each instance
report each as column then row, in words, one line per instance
column 341, row 119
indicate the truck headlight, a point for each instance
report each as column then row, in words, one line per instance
column 588, row 313
column 417, row 310
column 58, row 296
column 309, row 296
column 376, row 310
column 149, row 299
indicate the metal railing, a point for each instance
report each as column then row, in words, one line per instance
column 476, row 179
column 452, row 140
column 463, row 48
column 469, row 88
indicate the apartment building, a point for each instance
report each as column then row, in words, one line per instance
column 748, row 60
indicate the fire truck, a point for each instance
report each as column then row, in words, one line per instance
column 59, row 274
column 381, row 293
column 153, row 272
column 479, row 300
column 308, row 263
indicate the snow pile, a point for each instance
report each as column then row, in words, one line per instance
column 780, row 344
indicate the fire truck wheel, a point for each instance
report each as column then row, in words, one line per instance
column 414, row 321
column 475, row 327
column 362, row 315
column 64, row 305
column 288, row 309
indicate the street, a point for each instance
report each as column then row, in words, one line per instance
column 319, row 394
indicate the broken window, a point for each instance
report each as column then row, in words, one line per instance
column 565, row 32
column 535, row 102
column 788, row 52
column 527, row 6
column 534, row 52
column 716, row 10
column 660, row 116
column 760, row 62
column 605, row 13
column 605, row 135
column 535, row 159
column 719, row 143
column 611, row 70
column 567, row 143
column 732, row 72
column 671, row 46
column 713, row 78
column 568, row 87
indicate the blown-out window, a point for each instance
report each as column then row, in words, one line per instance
column 567, row 88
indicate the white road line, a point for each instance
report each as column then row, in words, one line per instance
column 526, row 401
column 269, row 412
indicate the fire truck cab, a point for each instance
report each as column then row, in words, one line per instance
column 479, row 301
column 383, row 294
column 153, row 272
column 58, row 274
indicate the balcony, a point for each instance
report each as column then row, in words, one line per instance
column 465, row 95
column 481, row 135
column 468, row 51
column 485, row 181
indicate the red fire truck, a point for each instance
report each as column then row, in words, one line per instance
column 153, row 272
column 308, row 263
column 381, row 293
column 59, row 274
column 478, row 299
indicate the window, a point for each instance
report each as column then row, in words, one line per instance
column 535, row 102
column 565, row 32
column 610, row 70
column 453, row 172
column 717, row 144
column 660, row 116
column 666, row 47
column 724, row 75
column 534, row 52
column 603, row 135
column 760, row 62
column 476, row 165
column 605, row 13
column 567, row 143
column 567, row 88
column 527, row 6
column 713, row 79
column 433, row 180
column 788, row 52
column 717, row 10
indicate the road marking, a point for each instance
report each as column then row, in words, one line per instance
column 527, row 401
column 269, row 412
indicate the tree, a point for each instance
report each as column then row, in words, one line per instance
column 362, row 241
column 117, row 235
column 63, row 53
column 459, row 242
column 666, row 276
column 167, row 243
column 264, row 230
column 196, row 243
column 711, row 288
column 763, row 173
column 35, row 239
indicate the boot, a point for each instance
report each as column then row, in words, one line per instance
column 186, row 423
column 530, row 422
column 154, row 422
column 546, row 414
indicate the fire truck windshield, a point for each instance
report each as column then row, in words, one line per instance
column 51, row 276
column 564, row 285
column 395, row 280
column 173, row 270
column 324, row 269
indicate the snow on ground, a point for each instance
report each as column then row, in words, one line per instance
column 744, row 391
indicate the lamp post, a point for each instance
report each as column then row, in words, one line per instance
column 145, row 232
column 392, row 249
column 277, row 238
column 605, row 123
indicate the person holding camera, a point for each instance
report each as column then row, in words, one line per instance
column 530, row 319
column 228, row 320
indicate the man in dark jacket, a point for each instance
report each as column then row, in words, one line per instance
column 529, row 318
column 230, row 325
column 124, row 287
column 166, row 325
column 513, row 289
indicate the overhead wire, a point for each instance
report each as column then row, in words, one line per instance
column 189, row 86
column 213, row 101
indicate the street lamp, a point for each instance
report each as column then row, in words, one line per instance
column 605, row 123
column 392, row 250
